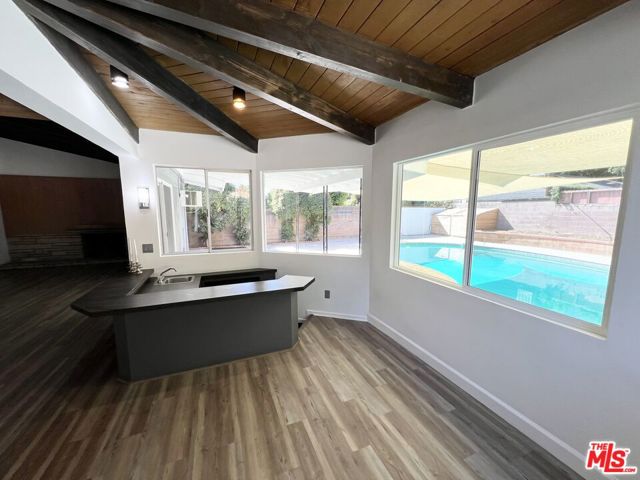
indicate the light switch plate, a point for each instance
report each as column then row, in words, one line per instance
column 147, row 248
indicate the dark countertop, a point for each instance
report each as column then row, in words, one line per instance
column 118, row 294
column 152, row 287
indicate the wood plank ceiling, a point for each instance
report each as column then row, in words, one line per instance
column 11, row 108
column 467, row 36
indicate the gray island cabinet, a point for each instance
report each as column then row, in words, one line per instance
column 176, row 327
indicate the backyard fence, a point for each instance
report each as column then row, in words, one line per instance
column 344, row 222
column 582, row 220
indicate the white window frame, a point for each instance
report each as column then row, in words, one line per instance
column 598, row 331
column 205, row 200
column 263, row 211
column 161, row 223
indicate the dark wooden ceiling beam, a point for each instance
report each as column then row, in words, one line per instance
column 267, row 26
column 130, row 58
column 201, row 51
column 48, row 134
column 74, row 57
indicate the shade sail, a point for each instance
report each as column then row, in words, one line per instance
column 438, row 188
column 603, row 146
column 524, row 166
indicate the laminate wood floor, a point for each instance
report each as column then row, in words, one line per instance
column 345, row 403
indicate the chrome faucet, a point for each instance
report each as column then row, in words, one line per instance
column 161, row 279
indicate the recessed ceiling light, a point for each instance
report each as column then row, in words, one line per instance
column 119, row 78
column 239, row 98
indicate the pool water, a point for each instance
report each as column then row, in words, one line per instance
column 571, row 287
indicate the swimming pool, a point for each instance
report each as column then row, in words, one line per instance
column 571, row 287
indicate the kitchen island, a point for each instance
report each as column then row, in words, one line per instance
column 162, row 329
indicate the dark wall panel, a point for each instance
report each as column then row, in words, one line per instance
column 40, row 205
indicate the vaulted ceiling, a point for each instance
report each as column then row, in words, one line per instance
column 469, row 37
column 149, row 110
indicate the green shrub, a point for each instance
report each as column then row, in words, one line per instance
column 311, row 208
column 227, row 210
column 241, row 229
column 284, row 205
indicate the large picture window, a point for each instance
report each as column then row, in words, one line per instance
column 543, row 229
column 313, row 211
column 203, row 211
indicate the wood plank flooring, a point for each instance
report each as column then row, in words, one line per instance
column 345, row 403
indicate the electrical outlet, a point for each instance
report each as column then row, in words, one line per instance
column 327, row 294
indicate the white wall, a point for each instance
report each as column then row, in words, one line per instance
column 33, row 73
column 346, row 277
column 176, row 150
column 17, row 158
column 561, row 387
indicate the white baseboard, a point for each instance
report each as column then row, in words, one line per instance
column 547, row 440
column 344, row 316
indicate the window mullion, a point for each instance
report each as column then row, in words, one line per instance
column 297, row 222
column 397, row 233
column 325, row 218
column 206, row 199
column 360, row 220
column 471, row 215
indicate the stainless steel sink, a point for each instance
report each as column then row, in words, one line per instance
column 176, row 279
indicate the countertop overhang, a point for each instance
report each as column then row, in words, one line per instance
column 118, row 295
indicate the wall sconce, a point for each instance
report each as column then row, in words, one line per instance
column 143, row 197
